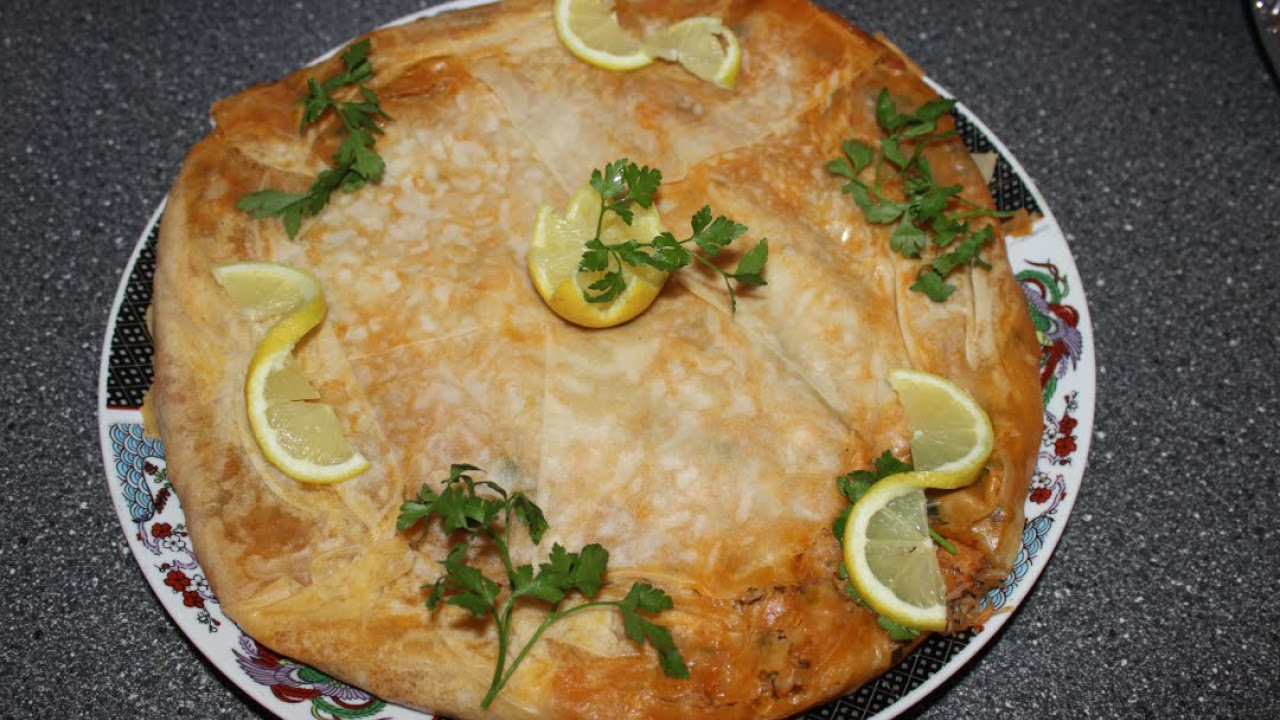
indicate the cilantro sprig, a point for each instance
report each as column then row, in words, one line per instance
column 623, row 183
column 853, row 486
column 355, row 164
column 462, row 510
column 926, row 213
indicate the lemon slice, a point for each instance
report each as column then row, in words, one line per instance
column 891, row 560
column 302, row 438
column 590, row 30
column 703, row 46
column 556, row 250
column 951, row 434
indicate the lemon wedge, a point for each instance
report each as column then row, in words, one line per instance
column 703, row 46
column 556, row 251
column 302, row 438
column 590, row 30
column 951, row 434
column 891, row 559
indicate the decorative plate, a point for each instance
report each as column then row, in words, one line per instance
column 154, row 524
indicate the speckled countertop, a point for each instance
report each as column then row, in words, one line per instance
column 1153, row 130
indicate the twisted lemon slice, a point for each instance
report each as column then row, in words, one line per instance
column 702, row 45
column 301, row 437
column 888, row 551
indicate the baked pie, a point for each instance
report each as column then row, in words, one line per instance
column 698, row 444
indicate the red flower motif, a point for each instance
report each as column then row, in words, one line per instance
column 1067, row 425
column 177, row 580
column 161, row 530
column 296, row 695
column 149, row 468
column 1040, row 495
column 191, row 598
column 1064, row 446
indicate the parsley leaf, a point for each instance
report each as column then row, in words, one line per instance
column 588, row 572
column 355, row 164
column 752, row 264
column 642, row 184
column 461, row 509
column 622, row 183
column 471, row 589
column 858, row 153
column 932, row 285
column 897, row 631
column 856, row 484
column 887, row 465
column 908, row 239
column 531, row 515
column 644, row 598
column 926, row 213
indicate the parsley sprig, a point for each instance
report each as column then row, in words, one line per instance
column 355, row 164
column 622, row 183
column 461, row 509
column 926, row 212
column 853, row 486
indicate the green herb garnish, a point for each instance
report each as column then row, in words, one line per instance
column 853, row 486
column 856, row 484
column 488, row 519
column 355, row 164
column 622, row 183
column 926, row 213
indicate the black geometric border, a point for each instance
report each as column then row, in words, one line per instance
column 129, row 371
column 1007, row 188
column 925, row 662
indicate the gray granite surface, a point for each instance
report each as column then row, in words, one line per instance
column 1153, row 130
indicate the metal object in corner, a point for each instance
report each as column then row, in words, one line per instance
column 1266, row 16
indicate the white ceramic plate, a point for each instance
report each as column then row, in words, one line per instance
column 154, row 524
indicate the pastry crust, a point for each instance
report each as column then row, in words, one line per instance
column 700, row 447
